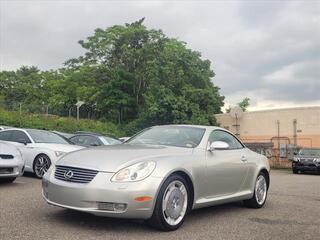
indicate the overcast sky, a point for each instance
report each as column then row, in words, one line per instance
column 267, row 51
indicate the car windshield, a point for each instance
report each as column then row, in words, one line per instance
column 40, row 136
column 313, row 152
column 178, row 136
column 109, row 141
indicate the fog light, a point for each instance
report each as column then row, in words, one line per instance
column 120, row 207
column 112, row 207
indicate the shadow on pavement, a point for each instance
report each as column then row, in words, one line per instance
column 91, row 222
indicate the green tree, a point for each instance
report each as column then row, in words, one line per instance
column 244, row 104
column 129, row 74
column 150, row 77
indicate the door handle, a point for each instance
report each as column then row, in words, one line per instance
column 244, row 159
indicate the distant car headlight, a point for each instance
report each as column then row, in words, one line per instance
column 296, row 159
column 59, row 153
column 316, row 160
column 135, row 172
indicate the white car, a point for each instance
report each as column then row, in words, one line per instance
column 39, row 148
column 11, row 163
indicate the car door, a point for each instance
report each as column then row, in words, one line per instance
column 226, row 169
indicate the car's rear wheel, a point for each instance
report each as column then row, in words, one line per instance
column 172, row 204
column 41, row 165
column 260, row 192
column 7, row 180
column 294, row 171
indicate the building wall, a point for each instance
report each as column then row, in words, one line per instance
column 262, row 126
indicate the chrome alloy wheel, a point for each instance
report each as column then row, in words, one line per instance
column 41, row 166
column 261, row 190
column 174, row 203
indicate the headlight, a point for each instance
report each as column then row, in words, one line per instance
column 316, row 160
column 59, row 153
column 296, row 159
column 135, row 172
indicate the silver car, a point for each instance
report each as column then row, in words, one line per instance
column 11, row 163
column 160, row 175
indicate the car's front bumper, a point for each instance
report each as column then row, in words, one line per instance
column 11, row 168
column 306, row 167
column 101, row 192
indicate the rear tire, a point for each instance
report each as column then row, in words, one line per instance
column 260, row 192
column 41, row 164
column 294, row 171
column 7, row 180
column 172, row 204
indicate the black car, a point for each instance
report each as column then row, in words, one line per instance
column 307, row 159
column 88, row 139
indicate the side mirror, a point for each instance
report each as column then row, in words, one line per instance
column 23, row 141
column 218, row 145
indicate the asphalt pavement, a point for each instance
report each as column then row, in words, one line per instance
column 292, row 212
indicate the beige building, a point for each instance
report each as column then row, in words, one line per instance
column 290, row 126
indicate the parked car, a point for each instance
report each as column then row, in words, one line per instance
column 306, row 160
column 160, row 175
column 88, row 139
column 63, row 134
column 4, row 127
column 11, row 162
column 39, row 148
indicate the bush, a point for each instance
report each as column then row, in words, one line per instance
column 63, row 124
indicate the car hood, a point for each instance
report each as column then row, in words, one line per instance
column 114, row 157
column 58, row 147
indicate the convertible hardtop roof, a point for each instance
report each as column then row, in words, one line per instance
column 190, row 125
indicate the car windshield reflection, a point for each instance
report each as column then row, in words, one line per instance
column 177, row 136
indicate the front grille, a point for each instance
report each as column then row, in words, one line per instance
column 6, row 156
column 73, row 174
column 6, row 170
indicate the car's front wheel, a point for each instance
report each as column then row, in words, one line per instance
column 41, row 165
column 260, row 192
column 7, row 180
column 172, row 204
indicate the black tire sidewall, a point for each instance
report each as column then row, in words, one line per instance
column 7, row 180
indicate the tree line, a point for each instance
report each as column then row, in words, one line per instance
column 129, row 75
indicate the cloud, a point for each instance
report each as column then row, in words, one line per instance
column 268, row 51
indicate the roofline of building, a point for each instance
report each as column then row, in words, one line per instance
column 276, row 110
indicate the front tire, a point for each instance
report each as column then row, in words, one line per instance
column 172, row 204
column 7, row 180
column 260, row 192
column 41, row 164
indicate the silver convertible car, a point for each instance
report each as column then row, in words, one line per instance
column 159, row 175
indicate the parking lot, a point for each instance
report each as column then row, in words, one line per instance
column 292, row 211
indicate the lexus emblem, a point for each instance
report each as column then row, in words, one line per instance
column 68, row 174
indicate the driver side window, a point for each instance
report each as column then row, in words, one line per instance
column 219, row 135
column 20, row 137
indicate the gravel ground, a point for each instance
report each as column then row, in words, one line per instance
column 292, row 212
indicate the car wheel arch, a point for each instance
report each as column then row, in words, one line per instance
column 187, row 176
column 266, row 173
